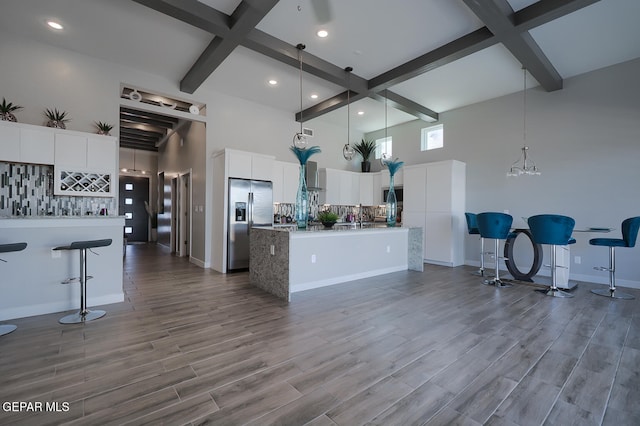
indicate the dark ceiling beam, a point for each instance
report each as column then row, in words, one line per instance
column 147, row 114
column 141, row 147
column 244, row 19
column 499, row 18
column 457, row 49
column 274, row 48
column 140, row 133
column 545, row 11
column 193, row 13
column 146, row 120
column 406, row 105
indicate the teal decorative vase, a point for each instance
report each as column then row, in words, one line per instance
column 392, row 204
column 302, row 200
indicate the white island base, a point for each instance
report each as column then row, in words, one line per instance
column 284, row 262
column 31, row 279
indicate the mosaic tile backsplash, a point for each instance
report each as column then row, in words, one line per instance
column 27, row 190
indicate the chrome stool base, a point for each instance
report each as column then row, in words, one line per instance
column 498, row 283
column 555, row 293
column 607, row 292
column 79, row 317
column 6, row 329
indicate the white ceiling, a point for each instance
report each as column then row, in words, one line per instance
column 372, row 36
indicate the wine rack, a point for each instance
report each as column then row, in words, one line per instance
column 79, row 183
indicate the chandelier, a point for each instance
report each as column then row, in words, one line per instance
column 524, row 166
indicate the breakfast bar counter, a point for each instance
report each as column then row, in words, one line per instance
column 31, row 279
column 288, row 260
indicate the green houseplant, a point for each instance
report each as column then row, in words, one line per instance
column 365, row 148
column 327, row 218
column 56, row 119
column 6, row 111
column 103, row 128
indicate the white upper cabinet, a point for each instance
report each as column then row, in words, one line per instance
column 285, row 182
column 414, row 188
column 25, row 143
column 71, row 151
column 100, row 152
column 247, row 165
column 366, row 189
column 340, row 187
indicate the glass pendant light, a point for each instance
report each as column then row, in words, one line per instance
column 299, row 139
column 347, row 151
column 524, row 166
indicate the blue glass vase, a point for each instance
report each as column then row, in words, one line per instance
column 302, row 200
column 391, row 204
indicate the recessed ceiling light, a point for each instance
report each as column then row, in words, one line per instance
column 273, row 82
column 55, row 25
column 360, row 112
column 322, row 33
column 314, row 96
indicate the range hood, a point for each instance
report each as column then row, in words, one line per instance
column 312, row 176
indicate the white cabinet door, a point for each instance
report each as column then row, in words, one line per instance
column 377, row 189
column 366, row 189
column 261, row 167
column 239, row 164
column 349, row 188
column 37, row 146
column 290, row 177
column 439, row 186
column 415, row 188
column 438, row 243
column 9, row 142
column 330, row 181
column 101, row 153
column 70, row 150
column 278, row 184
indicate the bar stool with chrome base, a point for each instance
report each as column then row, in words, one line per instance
column 84, row 314
column 629, row 235
column 496, row 226
column 8, row 248
column 472, row 227
column 554, row 230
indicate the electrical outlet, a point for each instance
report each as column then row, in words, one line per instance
column 272, row 250
column 313, row 258
column 577, row 260
column 56, row 254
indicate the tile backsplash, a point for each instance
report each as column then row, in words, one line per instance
column 27, row 190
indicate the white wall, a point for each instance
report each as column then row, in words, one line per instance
column 586, row 141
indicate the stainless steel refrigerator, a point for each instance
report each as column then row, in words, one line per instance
column 250, row 204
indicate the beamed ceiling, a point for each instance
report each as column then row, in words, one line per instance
column 424, row 57
column 501, row 25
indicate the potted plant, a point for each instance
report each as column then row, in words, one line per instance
column 57, row 119
column 103, row 128
column 327, row 218
column 6, row 111
column 365, row 148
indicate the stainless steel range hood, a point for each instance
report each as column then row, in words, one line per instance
column 312, row 176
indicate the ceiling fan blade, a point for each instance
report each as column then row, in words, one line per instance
column 322, row 10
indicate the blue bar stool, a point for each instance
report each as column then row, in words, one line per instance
column 84, row 314
column 629, row 235
column 554, row 230
column 472, row 227
column 8, row 248
column 496, row 226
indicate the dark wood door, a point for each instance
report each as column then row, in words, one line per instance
column 134, row 191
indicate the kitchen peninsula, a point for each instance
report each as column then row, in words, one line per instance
column 288, row 260
column 31, row 279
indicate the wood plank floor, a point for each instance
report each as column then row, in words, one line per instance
column 191, row 346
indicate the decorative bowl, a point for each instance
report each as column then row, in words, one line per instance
column 328, row 224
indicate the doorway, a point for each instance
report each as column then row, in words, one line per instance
column 181, row 221
column 134, row 192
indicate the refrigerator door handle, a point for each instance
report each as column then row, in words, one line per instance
column 250, row 212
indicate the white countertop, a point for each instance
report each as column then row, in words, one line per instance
column 59, row 221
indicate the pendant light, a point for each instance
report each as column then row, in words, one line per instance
column 524, row 166
column 383, row 156
column 299, row 139
column 347, row 151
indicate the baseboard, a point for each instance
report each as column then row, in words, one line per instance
column 545, row 272
column 53, row 307
column 338, row 280
column 198, row 262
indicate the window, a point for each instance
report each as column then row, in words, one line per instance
column 383, row 146
column 128, row 215
column 128, row 230
column 432, row 137
column 128, row 201
column 128, row 187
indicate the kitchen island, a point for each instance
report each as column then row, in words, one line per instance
column 288, row 260
column 31, row 279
